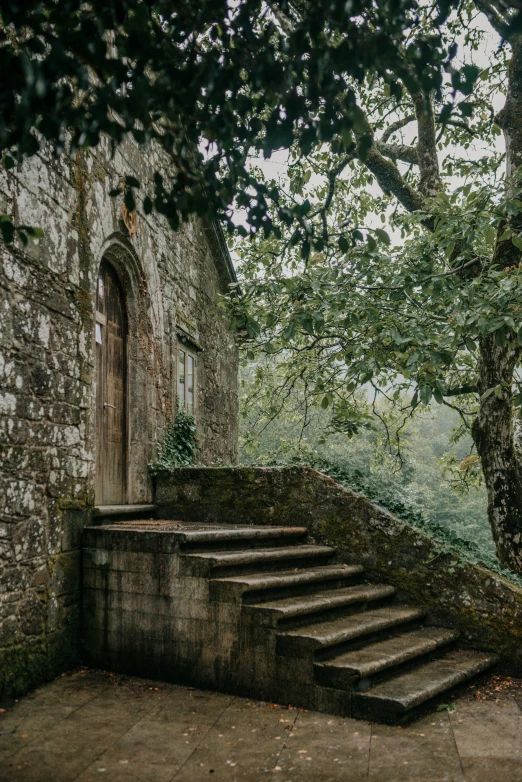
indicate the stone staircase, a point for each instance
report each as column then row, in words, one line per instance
column 261, row 612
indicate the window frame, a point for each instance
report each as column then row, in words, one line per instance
column 188, row 357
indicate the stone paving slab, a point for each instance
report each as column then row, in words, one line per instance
column 92, row 725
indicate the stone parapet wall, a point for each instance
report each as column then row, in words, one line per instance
column 47, row 414
column 485, row 607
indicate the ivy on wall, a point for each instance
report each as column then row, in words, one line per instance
column 178, row 446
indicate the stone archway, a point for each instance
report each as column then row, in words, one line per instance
column 124, row 274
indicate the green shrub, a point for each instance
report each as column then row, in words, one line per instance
column 178, row 445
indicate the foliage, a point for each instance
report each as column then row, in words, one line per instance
column 178, row 446
column 413, row 481
column 414, row 288
column 213, row 82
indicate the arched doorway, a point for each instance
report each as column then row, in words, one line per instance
column 111, row 388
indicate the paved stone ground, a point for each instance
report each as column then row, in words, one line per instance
column 91, row 725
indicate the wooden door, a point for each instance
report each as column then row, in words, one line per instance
column 111, row 360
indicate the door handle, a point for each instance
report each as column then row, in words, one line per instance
column 106, row 404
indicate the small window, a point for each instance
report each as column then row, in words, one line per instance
column 186, row 381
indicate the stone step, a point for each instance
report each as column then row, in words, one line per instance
column 343, row 671
column 109, row 514
column 204, row 536
column 402, row 696
column 208, row 562
column 273, row 612
column 306, row 640
column 249, row 587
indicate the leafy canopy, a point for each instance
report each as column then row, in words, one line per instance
column 365, row 296
column 212, row 82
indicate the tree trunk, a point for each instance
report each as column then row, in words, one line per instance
column 492, row 432
column 493, row 429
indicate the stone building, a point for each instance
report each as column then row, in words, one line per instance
column 104, row 322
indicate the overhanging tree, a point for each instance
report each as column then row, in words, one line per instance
column 216, row 82
column 210, row 81
column 438, row 314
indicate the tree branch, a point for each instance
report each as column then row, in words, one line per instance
column 430, row 182
column 500, row 20
column 467, row 389
column 332, row 176
column 395, row 126
column 385, row 171
column 398, row 152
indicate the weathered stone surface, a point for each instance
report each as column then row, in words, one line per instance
column 304, row 640
column 77, row 727
column 395, row 697
column 486, row 608
column 47, row 395
column 378, row 657
column 157, row 614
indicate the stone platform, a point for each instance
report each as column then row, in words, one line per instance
column 94, row 725
column 265, row 612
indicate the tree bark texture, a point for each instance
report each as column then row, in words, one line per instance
column 492, row 432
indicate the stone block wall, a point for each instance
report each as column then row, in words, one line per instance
column 151, row 610
column 47, row 413
column 147, row 614
column 486, row 608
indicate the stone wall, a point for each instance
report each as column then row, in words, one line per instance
column 485, row 607
column 47, row 414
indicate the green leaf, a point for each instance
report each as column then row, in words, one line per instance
column 372, row 244
column 490, row 234
column 425, row 394
column 131, row 181
column 500, row 338
column 519, row 336
column 289, row 332
column 343, row 244
column 517, row 241
column 382, row 235
column 437, row 394
column 7, row 229
column 129, row 200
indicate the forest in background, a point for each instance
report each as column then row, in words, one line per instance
column 426, row 473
